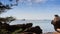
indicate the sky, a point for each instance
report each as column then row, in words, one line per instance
column 34, row 9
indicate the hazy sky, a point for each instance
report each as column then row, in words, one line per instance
column 34, row 9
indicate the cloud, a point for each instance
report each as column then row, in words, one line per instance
column 30, row 2
column 40, row 1
column 36, row 1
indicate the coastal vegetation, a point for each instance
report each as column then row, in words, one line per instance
column 5, row 28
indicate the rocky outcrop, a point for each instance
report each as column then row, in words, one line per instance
column 25, row 28
column 56, row 25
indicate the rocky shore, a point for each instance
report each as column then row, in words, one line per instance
column 41, row 33
column 19, row 29
column 51, row 33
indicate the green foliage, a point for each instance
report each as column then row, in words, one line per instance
column 10, row 19
column 7, row 19
column 4, row 8
column 16, row 31
column 3, row 31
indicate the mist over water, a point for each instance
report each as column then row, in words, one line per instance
column 45, row 25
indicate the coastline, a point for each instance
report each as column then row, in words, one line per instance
column 51, row 33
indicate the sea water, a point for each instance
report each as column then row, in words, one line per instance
column 45, row 25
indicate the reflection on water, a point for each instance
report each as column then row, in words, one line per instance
column 45, row 25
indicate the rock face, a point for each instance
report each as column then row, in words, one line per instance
column 56, row 25
column 36, row 30
column 25, row 28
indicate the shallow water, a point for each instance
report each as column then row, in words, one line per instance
column 45, row 25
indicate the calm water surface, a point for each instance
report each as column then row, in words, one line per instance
column 46, row 25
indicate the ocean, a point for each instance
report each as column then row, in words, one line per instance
column 45, row 25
